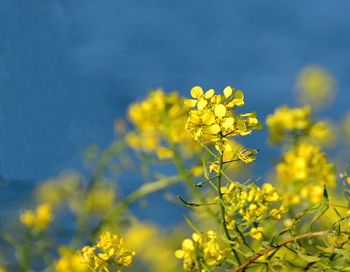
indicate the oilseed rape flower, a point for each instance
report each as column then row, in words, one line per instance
column 257, row 233
column 306, row 165
column 70, row 260
column 214, row 118
column 159, row 123
column 39, row 219
column 315, row 86
column 251, row 203
column 201, row 248
column 152, row 247
column 287, row 120
column 108, row 251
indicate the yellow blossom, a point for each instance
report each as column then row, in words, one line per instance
column 201, row 246
column 251, row 203
column 152, row 247
column 39, row 219
column 109, row 250
column 70, row 260
column 214, row 118
column 305, row 165
column 257, row 233
column 159, row 123
column 315, row 86
column 286, row 120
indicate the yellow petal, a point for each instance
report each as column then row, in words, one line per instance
column 241, row 126
column 209, row 94
column 228, row 91
column 201, row 103
column 228, row 123
column 196, row 91
column 208, row 118
column 190, row 103
column 220, row 110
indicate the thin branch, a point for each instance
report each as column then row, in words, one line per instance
column 286, row 242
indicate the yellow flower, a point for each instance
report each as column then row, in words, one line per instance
column 286, row 120
column 70, row 260
column 257, row 233
column 201, row 246
column 39, row 219
column 100, row 199
column 109, row 250
column 214, row 119
column 305, row 164
column 251, row 203
column 159, row 123
column 315, row 86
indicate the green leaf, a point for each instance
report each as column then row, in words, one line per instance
column 322, row 208
column 192, row 226
column 308, row 258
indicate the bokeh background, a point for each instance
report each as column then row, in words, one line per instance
column 69, row 68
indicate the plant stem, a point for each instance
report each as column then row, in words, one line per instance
column 141, row 192
column 284, row 243
column 187, row 178
column 222, row 210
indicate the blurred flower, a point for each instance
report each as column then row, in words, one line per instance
column 287, row 120
column 57, row 190
column 39, row 219
column 315, row 86
column 100, row 199
column 151, row 246
column 159, row 123
column 70, row 260
column 304, row 165
column 257, row 233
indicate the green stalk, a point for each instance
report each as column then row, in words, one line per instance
column 222, row 210
column 141, row 192
column 184, row 173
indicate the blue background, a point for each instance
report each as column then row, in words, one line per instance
column 69, row 68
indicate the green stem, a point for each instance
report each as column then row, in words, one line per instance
column 187, row 178
column 141, row 192
column 222, row 210
column 26, row 251
column 284, row 243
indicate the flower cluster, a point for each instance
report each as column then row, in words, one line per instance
column 251, row 203
column 70, row 260
column 152, row 246
column 214, row 118
column 159, row 121
column 110, row 250
column 287, row 121
column 201, row 249
column 305, row 165
column 39, row 219
column 315, row 86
